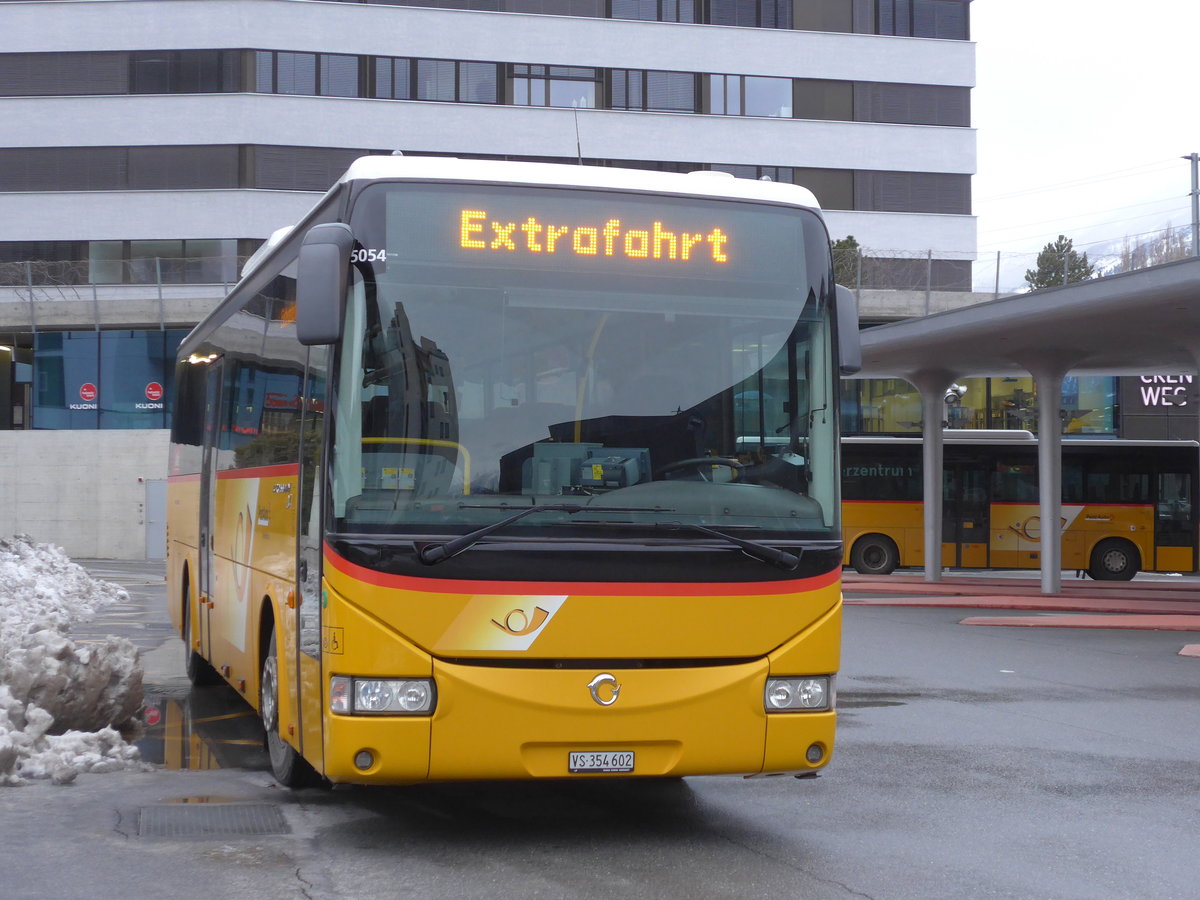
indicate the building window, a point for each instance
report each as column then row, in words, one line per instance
column 911, row 104
column 105, row 379
column 782, row 174
column 42, row 262
column 554, row 86
column 393, row 78
column 182, row 168
column 168, row 262
column 436, row 80
column 445, row 80
column 653, row 91
column 687, row 11
column 118, row 168
column 295, row 73
column 63, row 74
column 338, row 76
column 299, row 168
column 750, row 95
column 66, row 376
column 824, row 99
column 184, row 71
column 751, row 13
column 923, row 18
column 921, row 192
column 834, row 188
column 824, row 15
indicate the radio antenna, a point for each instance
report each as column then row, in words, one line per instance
column 578, row 146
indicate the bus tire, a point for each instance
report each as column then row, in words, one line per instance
column 1114, row 559
column 198, row 669
column 289, row 767
column 874, row 554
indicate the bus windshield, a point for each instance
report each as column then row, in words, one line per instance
column 654, row 360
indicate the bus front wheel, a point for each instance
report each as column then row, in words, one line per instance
column 1114, row 559
column 874, row 554
column 289, row 767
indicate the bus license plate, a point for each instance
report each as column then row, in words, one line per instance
column 607, row 761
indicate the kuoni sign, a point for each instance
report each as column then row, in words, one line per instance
column 154, row 395
column 87, row 394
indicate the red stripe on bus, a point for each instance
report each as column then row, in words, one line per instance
column 261, row 472
column 594, row 588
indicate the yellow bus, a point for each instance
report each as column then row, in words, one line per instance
column 496, row 470
column 1126, row 505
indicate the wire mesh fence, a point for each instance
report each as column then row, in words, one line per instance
column 857, row 267
column 1002, row 272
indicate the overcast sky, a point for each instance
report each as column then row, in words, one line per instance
column 1083, row 109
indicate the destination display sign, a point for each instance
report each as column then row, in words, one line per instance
column 555, row 233
column 479, row 231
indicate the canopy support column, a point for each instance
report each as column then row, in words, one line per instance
column 1049, row 383
column 933, row 386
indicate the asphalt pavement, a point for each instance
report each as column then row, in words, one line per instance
column 970, row 762
column 1150, row 602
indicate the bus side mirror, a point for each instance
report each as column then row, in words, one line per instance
column 321, row 276
column 849, row 343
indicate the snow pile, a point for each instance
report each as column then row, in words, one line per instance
column 61, row 705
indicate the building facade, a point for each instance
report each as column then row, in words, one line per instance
column 151, row 145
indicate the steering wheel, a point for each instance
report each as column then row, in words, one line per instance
column 699, row 463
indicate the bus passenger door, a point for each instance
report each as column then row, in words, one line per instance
column 1174, row 524
column 307, row 685
column 208, row 495
column 964, row 516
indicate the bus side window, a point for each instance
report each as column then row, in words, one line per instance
column 1015, row 482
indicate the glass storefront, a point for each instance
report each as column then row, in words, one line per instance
column 893, row 406
column 104, row 379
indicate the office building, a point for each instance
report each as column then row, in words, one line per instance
column 151, row 145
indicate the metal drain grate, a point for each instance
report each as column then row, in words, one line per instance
column 211, row 820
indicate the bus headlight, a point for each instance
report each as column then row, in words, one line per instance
column 381, row 696
column 813, row 692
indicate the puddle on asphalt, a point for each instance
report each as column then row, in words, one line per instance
column 202, row 728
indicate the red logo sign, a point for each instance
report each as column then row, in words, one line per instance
column 154, row 391
column 87, row 392
column 152, row 715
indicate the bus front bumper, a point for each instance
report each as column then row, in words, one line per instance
column 499, row 722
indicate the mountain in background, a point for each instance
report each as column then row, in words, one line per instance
column 1141, row 251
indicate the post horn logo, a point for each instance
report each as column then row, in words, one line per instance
column 1031, row 528
column 604, row 689
column 519, row 623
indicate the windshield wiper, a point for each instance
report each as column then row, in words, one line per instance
column 754, row 549
column 436, row 553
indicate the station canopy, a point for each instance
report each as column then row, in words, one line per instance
column 1145, row 322
column 1137, row 323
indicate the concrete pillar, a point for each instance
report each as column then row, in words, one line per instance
column 1049, row 400
column 933, row 386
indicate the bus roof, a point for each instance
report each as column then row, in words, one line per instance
column 720, row 185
